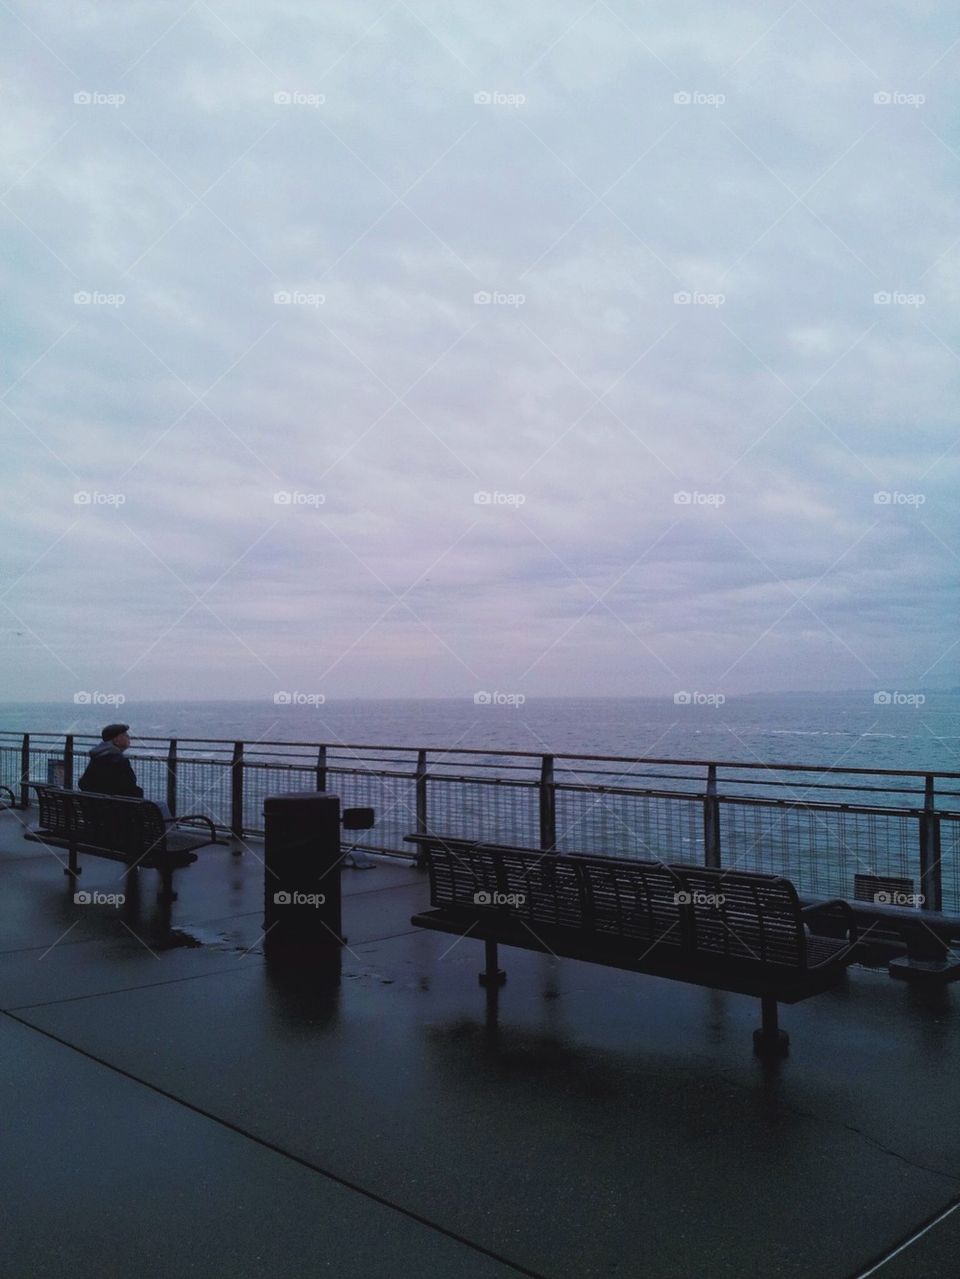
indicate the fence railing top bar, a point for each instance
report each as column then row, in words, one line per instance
column 820, row 769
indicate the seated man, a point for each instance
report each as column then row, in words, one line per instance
column 108, row 772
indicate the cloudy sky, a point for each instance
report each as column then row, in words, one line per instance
column 415, row 348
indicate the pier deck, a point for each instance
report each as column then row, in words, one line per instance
column 172, row 1107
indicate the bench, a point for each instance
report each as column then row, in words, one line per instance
column 727, row 930
column 132, row 831
column 7, row 798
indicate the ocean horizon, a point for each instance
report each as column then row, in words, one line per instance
column 901, row 730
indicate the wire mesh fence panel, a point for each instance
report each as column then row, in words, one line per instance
column 490, row 811
column 649, row 827
column 394, row 801
column 260, row 780
column 203, row 786
column 950, row 863
column 10, row 767
column 820, row 851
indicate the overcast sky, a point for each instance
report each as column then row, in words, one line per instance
column 260, row 433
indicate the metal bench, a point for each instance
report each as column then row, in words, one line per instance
column 7, row 798
column 728, row 930
column 132, row 831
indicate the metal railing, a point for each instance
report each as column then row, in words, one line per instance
column 818, row 826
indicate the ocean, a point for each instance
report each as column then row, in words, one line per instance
column 848, row 729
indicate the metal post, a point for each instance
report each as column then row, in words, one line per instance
column 711, row 820
column 548, row 809
column 930, row 881
column 236, row 791
column 68, row 762
column 321, row 768
column 24, row 770
column 421, row 804
column 172, row 776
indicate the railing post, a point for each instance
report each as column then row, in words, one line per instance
column 930, row 881
column 68, row 762
column 172, row 776
column 421, row 801
column 24, row 770
column 711, row 820
column 548, row 806
column 321, row 768
column 236, row 791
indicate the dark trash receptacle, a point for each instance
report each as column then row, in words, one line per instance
column 302, row 876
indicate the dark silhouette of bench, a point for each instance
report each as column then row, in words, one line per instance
column 728, row 930
column 132, row 831
column 7, row 798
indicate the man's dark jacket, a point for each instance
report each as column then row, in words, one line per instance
column 110, row 773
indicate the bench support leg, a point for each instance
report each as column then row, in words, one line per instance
column 492, row 976
column 72, row 868
column 770, row 1040
column 166, row 893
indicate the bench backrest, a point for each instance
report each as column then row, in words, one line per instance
column 744, row 916
column 615, row 899
column 128, row 826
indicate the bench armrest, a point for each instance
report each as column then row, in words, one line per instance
column 195, row 817
column 838, row 905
